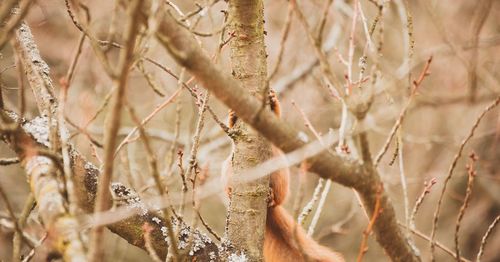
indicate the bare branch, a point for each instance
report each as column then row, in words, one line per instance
column 350, row 173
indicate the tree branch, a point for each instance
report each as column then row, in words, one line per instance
column 31, row 139
column 183, row 47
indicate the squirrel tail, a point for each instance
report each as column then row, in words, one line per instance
column 286, row 241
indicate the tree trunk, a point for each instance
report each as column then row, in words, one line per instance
column 248, row 208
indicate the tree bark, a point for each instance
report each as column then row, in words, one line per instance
column 31, row 139
column 248, row 206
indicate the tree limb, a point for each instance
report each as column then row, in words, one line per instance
column 184, row 49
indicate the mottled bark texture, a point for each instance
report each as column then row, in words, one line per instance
column 183, row 47
column 248, row 206
column 44, row 171
column 31, row 141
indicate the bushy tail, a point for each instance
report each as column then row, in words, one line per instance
column 284, row 242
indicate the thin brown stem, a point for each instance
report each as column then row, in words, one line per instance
column 103, row 196
column 485, row 238
column 284, row 37
column 399, row 121
column 363, row 247
column 153, row 166
column 471, row 174
column 16, row 242
column 452, row 168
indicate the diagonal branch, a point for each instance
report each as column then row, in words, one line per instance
column 185, row 50
column 30, row 139
column 42, row 169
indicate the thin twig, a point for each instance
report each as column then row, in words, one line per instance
column 64, row 143
column 321, row 203
column 16, row 18
column 153, row 166
column 284, row 37
column 30, row 255
column 351, row 44
column 326, row 67
column 105, row 102
column 376, row 212
column 9, row 161
column 310, row 205
column 438, row 244
column 452, row 168
column 192, row 92
column 416, row 85
column 322, row 20
column 10, row 210
column 485, row 238
column 196, row 207
column 427, row 189
column 74, row 61
column 471, row 174
column 196, row 142
column 16, row 242
column 308, row 208
column 157, row 109
column 103, row 195
column 171, row 156
column 149, row 79
column 404, row 185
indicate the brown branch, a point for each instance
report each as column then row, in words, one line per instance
column 41, row 164
column 471, row 174
column 16, row 18
column 416, row 85
column 31, row 138
column 41, row 171
column 284, row 37
column 438, row 244
column 485, row 238
column 37, row 71
column 113, row 120
column 153, row 165
column 347, row 172
column 16, row 242
column 363, row 247
column 86, row 175
column 325, row 65
column 427, row 189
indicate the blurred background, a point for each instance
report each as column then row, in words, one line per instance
column 440, row 116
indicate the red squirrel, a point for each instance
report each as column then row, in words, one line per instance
column 284, row 240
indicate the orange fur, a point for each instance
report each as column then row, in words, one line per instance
column 284, row 239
